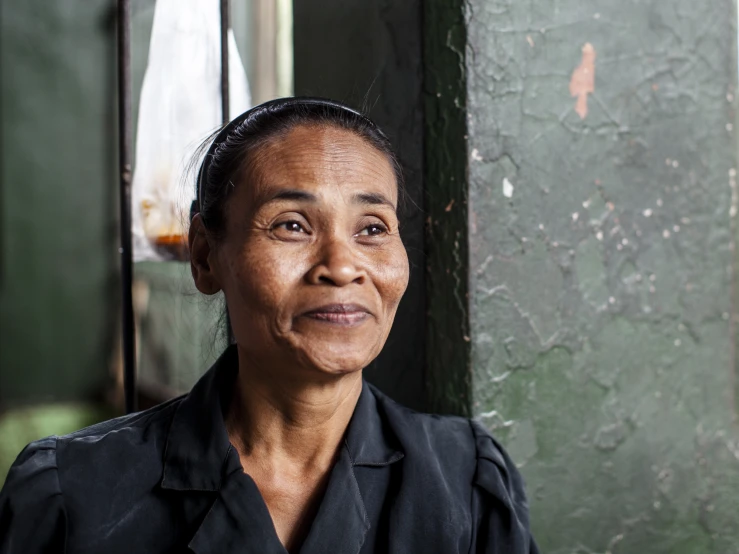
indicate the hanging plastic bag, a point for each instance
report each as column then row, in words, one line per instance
column 180, row 105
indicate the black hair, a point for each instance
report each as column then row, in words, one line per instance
column 242, row 137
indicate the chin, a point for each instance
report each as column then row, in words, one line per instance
column 340, row 360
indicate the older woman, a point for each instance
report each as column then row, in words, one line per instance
column 281, row 445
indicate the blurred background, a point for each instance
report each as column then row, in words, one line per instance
column 572, row 171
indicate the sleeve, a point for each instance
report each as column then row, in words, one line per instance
column 500, row 510
column 32, row 515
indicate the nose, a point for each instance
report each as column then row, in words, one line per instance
column 337, row 265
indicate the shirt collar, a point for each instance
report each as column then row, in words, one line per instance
column 197, row 457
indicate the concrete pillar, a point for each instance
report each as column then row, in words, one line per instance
column 597, row 250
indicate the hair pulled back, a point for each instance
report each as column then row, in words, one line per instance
column 241, row 138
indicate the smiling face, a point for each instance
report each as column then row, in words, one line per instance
column 311, row 262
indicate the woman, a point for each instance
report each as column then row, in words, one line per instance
column 281, row 445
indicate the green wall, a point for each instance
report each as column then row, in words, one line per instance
column 602, row 267
column 58, row 280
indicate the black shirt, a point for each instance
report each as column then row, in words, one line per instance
column 168, row 480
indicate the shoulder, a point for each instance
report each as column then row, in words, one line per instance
column 451, row 435
column 111, row 449
column 93, row 455
column 136, row 423
column 458, row 444
column 33, row 474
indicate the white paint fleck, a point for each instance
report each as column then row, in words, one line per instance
column 676, row 228
column 530, row 40
column 647, row 309
column 541, row 226
column 507, row 188
column 648, row 212
column 652, row 278
column 652, row 289
column 729, row 127
column 668, row 161
column 729, row 97
column 657, row 505
column 555, row 244
column 611, row 300
column 575, row 216
column 659, row 202
column 596, row 16
column 619, row 247
column 732, row 172
column 599, row 235
column 678, row 342
column 675, row 163
column 625, row 241
column 586, row 204
column 666, row 233
column 475, row 155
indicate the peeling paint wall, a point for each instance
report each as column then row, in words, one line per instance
column 601, row 238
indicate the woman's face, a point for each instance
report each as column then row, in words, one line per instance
column 312, row 264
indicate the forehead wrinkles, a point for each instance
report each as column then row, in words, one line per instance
column 320, row 155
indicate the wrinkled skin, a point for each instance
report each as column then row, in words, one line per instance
column 282, row 257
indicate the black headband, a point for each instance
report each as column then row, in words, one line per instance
column 269, row 106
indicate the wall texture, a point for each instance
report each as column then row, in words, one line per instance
column 58, row 252
column 601, row 236
column 368, row 54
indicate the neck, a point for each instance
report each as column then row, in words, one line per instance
column 281, row 419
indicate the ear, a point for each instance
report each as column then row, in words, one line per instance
column 201, row 258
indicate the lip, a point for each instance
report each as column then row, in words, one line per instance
column 345, row 315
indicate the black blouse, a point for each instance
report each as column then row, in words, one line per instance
column 168, row 480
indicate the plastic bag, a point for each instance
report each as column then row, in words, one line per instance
column 180, row 105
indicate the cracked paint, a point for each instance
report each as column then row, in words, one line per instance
column 613, row 322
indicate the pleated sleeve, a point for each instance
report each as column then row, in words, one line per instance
column 500, row 511
column 32, row 516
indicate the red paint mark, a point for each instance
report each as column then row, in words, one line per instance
column 583, row 80
column 449, row 206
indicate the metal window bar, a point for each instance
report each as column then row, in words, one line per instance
column 125, row 148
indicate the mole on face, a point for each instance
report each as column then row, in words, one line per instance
column 312, row 264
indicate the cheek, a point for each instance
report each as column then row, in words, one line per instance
column 392, row 274
column 262, row 278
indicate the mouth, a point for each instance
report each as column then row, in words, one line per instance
column 345, row 315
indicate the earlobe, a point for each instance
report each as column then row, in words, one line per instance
column 200, row 250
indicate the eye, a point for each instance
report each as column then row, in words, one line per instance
column 373, row 230
column 291, row 226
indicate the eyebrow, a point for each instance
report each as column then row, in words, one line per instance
column 372, row 198
column 368, row 198
column 293, row 194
